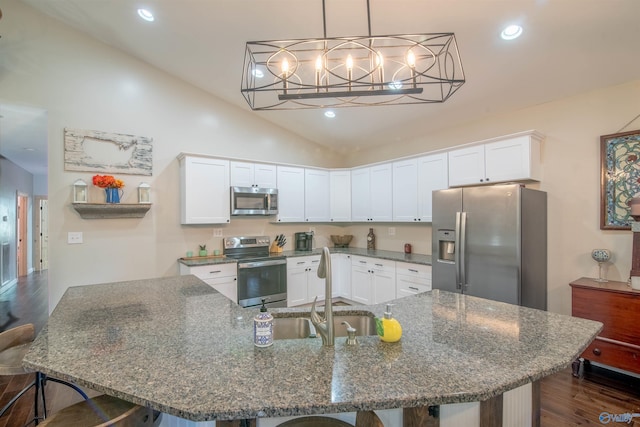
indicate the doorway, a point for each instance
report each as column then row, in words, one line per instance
column 41, row 233
column 22, row 234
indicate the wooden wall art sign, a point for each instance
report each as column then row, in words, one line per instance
column 95, row 151
column 619, row 178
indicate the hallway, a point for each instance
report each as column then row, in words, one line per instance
column 25, row 302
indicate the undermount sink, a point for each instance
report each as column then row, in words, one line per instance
column 285, row 328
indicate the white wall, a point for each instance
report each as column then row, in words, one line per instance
column 571, row 177
column 88, row 85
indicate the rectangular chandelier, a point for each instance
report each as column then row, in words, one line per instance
column 351, row 71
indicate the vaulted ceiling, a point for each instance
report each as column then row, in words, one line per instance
column 567, row 47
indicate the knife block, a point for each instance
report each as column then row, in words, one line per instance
column 274, row 248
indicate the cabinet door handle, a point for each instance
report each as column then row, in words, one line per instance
column 216, row 271
column 412, row 270
column 362, row 262
column 379, row 265
column 413, row 288
column 300, row 262
column 597, row 351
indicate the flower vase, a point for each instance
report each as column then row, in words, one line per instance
column 113, row 195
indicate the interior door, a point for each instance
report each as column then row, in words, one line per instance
column 44, row 234
column 22, row 226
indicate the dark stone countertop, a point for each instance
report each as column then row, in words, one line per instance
column 177, row 345
column 388, row 255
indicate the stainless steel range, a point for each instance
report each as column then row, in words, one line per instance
column 260, row 275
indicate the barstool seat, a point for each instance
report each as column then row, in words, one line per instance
column 14, row 344
column 103, row 411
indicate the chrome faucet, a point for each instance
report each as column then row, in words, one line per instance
column 324, row 325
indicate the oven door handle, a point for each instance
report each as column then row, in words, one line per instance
column 257, row 264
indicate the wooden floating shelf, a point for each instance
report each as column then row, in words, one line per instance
column 111, row 210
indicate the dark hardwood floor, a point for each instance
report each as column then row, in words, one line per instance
column 565, row 400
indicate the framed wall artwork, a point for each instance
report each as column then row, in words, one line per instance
column 619, row 178
column 95, row 151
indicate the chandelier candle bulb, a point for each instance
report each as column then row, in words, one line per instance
column 349, row 65
column 379, row 62
column 319, row 68
column 285, row 71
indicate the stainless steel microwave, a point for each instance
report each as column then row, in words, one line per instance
column 254, row 201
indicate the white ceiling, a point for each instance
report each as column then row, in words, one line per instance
column 568, row 47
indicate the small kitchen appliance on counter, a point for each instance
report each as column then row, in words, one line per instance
column 260, row 274
column 304, row 241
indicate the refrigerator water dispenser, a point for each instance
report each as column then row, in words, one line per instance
column 446, row 245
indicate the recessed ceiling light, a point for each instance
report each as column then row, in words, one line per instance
column 146, row 15
column 329, row 114
column 511, row 32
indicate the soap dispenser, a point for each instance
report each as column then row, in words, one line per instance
column 388, row 328
column 263, row 327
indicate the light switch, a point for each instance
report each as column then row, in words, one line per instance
column 217, row 232
column 392, row 231
column 74, row 237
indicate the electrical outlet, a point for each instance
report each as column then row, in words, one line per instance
column 217, row 232
column 392, row 231
column 74, row 237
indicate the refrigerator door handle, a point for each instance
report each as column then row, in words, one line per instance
column 462, row 244
column 456, row 255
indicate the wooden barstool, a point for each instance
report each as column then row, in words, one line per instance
column 100, row 411
column 363, row 419
column 103, row 411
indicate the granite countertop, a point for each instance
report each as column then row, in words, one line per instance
column 179, row 346
column 389, row 255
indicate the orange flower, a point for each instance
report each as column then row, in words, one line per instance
column 107, row 181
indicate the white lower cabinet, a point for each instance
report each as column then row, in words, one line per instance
column 412, row 279
column 303, row 283
column 373, row 280
column 221, row 277
column 341, row 275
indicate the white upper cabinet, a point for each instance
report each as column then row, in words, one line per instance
column 205, row 190
column 372, row 193
column 405, row 191
column 360, row 198
column 432, row 175
column 290, row 194
column 413, row 182
column 466, row 166
column 246, row 174
column 515, row 158
column 340, row 195
column 316, row 195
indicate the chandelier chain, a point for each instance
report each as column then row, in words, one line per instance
column 631, row 121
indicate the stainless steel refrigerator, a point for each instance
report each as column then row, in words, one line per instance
column 491, row 242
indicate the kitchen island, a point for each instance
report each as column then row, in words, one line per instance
column 178, row 346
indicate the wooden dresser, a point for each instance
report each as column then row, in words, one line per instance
column 617, row 306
